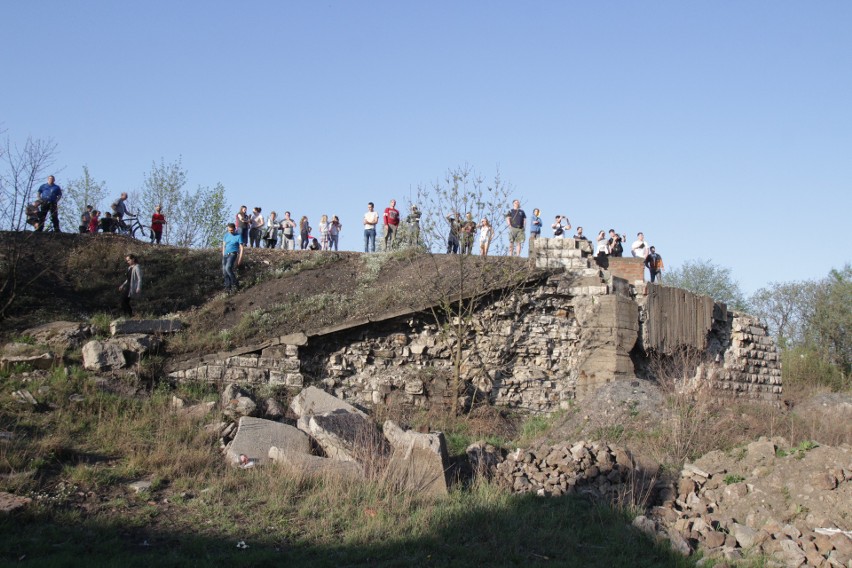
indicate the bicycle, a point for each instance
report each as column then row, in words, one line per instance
column 131, row 226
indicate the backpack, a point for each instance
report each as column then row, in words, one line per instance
column 558, row 231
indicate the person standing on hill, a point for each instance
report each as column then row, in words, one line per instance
column 638, row 249
column 391, row 223
column 516, row 219
column 288, row 240
column 86, row 219
column 371, row 219
column 131, row 288
column 157, row 222
column 256, row 230
column 535, row 225
column 232, row 256
column 49, row 194
column 242, row 222
column 654, row 262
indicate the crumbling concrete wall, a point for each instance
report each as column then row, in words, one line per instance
column 535, row 347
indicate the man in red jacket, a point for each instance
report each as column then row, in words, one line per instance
column 391, row 221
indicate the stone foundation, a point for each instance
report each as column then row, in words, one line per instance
column 534, row 348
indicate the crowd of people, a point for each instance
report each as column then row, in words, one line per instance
column 250, row 229
column 254, row 230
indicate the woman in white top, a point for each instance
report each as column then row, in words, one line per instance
column 257, row 223
column 485, row 234
column 323, row 227
column 601, row 249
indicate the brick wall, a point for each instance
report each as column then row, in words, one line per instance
column 630, row 268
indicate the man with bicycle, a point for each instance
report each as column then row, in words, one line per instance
column 119, row 210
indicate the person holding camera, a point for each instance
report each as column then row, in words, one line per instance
column 558, row 227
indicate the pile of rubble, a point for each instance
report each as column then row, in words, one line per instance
column 790, row 504
column 592, row 468
column 330, row 437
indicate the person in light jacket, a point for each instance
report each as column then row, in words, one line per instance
column 131, row 288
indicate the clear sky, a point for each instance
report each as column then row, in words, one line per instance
column 723, row 129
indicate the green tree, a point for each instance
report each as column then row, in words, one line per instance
column 163, row 185
column 80, row 192
column 202, row 219
column 828, row 329
column 786, row 308
column 193, row 218
column 703, row 277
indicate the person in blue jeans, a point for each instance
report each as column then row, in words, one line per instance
column 232, row 255
column 371, row 219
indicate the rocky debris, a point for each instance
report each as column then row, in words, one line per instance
column 237, row 402
column 272, row 409
column 26, row 354
column 60, row 335
column 483, row 458
column 140, row 486
column 316, row 401
column 418, row 461
column 765, row 498
column 594, row 469
column 255, row 437
column 103, row 356
column 24, row 397
column 345, row 435
column 147, row 327
column 137, row 345
column 118, row 352
column 194, row 411
column 10, row 502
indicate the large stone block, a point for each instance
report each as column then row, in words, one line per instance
column 316, row 401
column 160, row 326
column 256, row 436
column 346, row 436
column 418, row 461
column 103, row 356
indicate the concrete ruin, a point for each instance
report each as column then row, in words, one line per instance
column 570, row 327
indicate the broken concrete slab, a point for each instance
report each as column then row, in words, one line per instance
column 314, row 465
column 255, row 436
column 419, row 462
column 60, row 335
column 345, row 435
column 313, row 401
column 156, row 326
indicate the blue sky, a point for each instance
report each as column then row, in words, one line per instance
column 723, row 130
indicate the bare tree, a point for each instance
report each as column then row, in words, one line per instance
column 458, row 283
column 83, row 191
column 26, row 166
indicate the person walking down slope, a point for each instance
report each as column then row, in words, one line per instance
column 49, row 194
column 131, row 288
column 232, row 256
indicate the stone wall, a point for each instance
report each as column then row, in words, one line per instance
column 534, row 348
